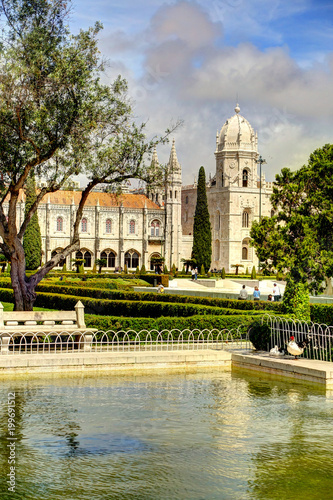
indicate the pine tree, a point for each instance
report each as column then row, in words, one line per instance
column 32, row 241
column 202, row 234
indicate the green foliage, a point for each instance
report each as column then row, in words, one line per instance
column 260, row 336
column 104, row 323
column 298, row 240
column 253, row 273
column 32, row 240
column 125, row 269
column 100, row 263
column 183, row 270
column 296, row 300
column 174, row 271
column 143, row 269
column 165, row 270
column 81, row 269
column 64, row 268
column 202, row 270
column 202, row 234
column 223, row 273
column 8, row 268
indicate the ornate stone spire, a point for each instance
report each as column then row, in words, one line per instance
column 173, row 160
column 237, row 108
column 154, row 160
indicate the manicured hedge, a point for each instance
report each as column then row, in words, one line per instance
column 155, row 297
column 208, row 322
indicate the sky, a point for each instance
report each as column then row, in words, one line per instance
column 193, row 60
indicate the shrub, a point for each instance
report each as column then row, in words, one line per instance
column 253, row 273
column 296, row 300
column 143, row 269
column 260, row 335
column 223, row 273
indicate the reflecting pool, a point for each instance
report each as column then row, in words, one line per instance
column 186, row 436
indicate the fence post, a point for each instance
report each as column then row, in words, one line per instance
column 79, row 308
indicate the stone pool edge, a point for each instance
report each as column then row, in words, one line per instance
column 319, row 372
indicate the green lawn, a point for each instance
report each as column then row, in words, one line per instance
column 8, row 306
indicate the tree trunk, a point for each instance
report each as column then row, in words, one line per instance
column 24, row 289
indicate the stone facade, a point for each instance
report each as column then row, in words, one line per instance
column 132, row 228
column 235, row 197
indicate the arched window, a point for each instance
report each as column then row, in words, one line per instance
column 131, row 259
column 152, row 257
column 186, row 216
column 217, row 250
column 246, row 249
column 156, row 198
column 155, row 228
column 132, row 227
column 87, row 258
column 78, row 255
column 222, row 179
column 186, row 200
column 245, row 219
column 218, row 221
column 108, row 226
column 245, row 178
column 170, row 195
column 175, row 195
column 84, row 225
column 60, row 224
column 110, row 258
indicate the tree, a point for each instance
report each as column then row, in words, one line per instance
column 32, row 240
column 100, row 263
column 202, row 234
column 237, row 266
column 298, row 239
column 56, row 120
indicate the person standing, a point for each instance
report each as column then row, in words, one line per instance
column 243, row 294
column 196, row 273
column 256, row 293
column 276, row 292
column 193, row 273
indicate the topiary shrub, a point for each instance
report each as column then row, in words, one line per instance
column 247, row 271
column 223, row 273
column 125, row 269
column 260, row 336
column 165, row 271
column 202, row 270
column 143, row 269
column 296, row 300
column 253, row 273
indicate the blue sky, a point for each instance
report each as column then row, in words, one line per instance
column 190, row 60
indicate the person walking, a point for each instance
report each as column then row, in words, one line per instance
column 276, row 292
column 243, row 294
column 256, row 293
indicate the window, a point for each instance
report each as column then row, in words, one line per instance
column 132, row 227
column 156, row 198
column 170, row 195
column 60, row 224
column 108, row 226
column 87, row 259
column 245, row 178
column 175, row 195
column 246, row 249
column 84, row 225
column 217, row 250
column 155, row 228
column 186, row 200
column 131, row 259
column 153, row 267
column 79, row 255
column 222, row 179
column 110, row 258
column 186, row 216
column 244, row 253
column 245, row 219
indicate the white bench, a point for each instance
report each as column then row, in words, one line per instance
column 16, row 323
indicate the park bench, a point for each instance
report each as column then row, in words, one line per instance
column 17, row 323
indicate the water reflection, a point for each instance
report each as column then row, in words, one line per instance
column 198, row 436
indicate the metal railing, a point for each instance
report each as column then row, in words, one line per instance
column 320, row 335
column 121, row 341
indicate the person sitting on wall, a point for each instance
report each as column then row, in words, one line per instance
column 243, row 294
column 270, row 297
column 256, row 293
column 160, row 288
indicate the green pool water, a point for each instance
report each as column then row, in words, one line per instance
column 188, row 436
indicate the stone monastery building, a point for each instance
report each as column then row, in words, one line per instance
column 132, row 228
